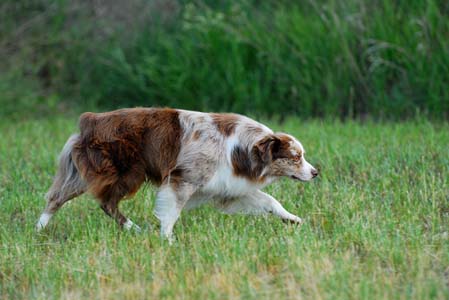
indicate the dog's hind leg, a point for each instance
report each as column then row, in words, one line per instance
column 257, row 203
column 67, row 184
column 54, row 204
column 110, row 207
column 110, row 195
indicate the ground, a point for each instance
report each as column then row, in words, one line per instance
column 377, row 225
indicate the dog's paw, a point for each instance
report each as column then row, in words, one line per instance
column 137, row 228
column 295, row 221
column 131, row 226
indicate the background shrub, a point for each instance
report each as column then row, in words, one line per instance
column 346, row 59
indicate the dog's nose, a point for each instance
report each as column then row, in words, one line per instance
column 314, row 173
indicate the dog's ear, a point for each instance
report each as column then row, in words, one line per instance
column 267, row 147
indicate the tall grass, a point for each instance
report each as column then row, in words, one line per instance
column 387, row 59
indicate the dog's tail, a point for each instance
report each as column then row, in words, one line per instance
column 68, row 182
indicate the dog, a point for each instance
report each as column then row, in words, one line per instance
column 193, row 157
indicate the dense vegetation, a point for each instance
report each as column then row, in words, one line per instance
column 377, row 223
column 386, row 59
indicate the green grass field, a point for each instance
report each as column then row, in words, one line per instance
column 377, row 225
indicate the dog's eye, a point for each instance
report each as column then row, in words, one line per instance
column 297, row 158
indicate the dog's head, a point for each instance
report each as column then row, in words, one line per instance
column 283, row 155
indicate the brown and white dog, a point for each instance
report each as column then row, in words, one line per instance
column 193, row 157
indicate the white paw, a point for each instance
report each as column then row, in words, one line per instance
column 168, row 236
column 129, row 225
column 293, row 220
column 43, row 221
column 137, row 229
column 39, row 226
column 298, row 221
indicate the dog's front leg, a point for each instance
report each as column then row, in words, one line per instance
column 258, row 203
column 170, row 201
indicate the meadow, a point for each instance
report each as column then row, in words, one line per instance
column 377, row 225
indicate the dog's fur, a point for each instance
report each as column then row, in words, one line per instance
column 194, row 157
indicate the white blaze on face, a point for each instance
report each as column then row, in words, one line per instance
column 305, row 172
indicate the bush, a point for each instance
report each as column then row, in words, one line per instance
column 319, row 58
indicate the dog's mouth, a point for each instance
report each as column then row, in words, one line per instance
column 296, row 178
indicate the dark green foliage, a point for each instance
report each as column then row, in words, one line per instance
column 385, row 59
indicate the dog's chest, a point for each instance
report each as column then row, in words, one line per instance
column 225, row 183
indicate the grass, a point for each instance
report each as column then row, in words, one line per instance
column 377, row 226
